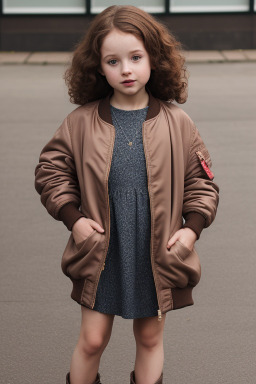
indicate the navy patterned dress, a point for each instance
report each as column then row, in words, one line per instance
column 126, row 287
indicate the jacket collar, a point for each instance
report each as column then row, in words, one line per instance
column 105, row 112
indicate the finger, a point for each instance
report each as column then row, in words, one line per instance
column 100, row 228
column 97, row 226
column 172, row 241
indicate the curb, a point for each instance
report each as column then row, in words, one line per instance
column 46, row 58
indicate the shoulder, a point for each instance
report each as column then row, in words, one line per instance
column 181, row 126
column 81, row 116
column 176, row 112
column 191, row 137
column 81, row 110
column 178, row 119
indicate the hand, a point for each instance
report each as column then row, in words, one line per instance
column 83, row 227
column 186, row 236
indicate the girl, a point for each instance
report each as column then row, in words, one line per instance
column 129, row 175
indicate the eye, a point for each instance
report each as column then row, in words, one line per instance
column 112, row 62
column 136, row 57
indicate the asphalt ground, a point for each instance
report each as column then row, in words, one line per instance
column 213, row 341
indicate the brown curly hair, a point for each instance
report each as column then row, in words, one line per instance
column 168, row 80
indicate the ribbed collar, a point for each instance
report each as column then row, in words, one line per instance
column 105, row 111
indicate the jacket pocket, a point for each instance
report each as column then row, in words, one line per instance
column 81, row 243
column 81, row 261
column 182, row 266
column 184, row 251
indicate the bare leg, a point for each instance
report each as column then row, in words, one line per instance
column 149, row 361
column 94, row 336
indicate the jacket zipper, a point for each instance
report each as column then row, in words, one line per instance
column 159, row 312
column 103, row 265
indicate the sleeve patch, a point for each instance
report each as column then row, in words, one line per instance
column 204, row 165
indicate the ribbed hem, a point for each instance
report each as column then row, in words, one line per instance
column 182, row 297
column 195, row 221
column 105, row 111
column 69, row 214
column 83, row 291
column 78, row 286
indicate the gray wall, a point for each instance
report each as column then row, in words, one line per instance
column 60, row 33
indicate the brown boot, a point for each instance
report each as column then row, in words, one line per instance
column 97, row 381
column 132, row 377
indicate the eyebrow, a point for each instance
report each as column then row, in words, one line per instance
column 114, row 54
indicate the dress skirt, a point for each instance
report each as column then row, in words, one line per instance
column 126, row 287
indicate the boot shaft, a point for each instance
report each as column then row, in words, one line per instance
column 97, row 380
column 132, row 378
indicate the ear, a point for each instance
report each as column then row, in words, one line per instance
column 153, row 67
column 101, row 72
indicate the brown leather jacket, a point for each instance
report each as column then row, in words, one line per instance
column 72, row 179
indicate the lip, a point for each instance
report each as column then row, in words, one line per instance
column 128, row 83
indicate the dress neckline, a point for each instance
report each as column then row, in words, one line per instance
column 129, row 110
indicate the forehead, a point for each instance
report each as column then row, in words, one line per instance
column 117, row 41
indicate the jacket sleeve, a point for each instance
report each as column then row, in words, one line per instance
column 56, row 179
column 201, row 194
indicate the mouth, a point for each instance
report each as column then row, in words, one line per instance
column 128, row 81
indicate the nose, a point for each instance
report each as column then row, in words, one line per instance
column 125, row 69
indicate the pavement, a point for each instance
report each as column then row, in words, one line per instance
column 213, row 56
column 211, row 342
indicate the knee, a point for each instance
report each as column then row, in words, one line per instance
column 147, row 339
column 92, row 344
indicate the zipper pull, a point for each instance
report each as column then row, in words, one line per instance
column 204, row 165
column 103, row 267
column 159, row 315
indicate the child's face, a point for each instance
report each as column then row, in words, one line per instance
column 123, row 58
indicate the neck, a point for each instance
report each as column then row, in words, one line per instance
column 105, row 111
column 130, row 102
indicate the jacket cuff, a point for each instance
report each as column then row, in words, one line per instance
column 194, row 221
column 69, row 214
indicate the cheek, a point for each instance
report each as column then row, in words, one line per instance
column 110, row 75
column 146, row 72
